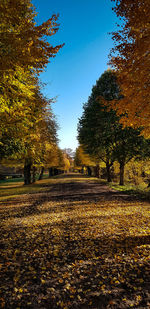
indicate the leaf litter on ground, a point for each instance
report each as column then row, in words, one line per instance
column 74, row 253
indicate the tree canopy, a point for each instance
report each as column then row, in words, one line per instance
column 130, row 58
column 25, row 114
column 82, row 159
column 99, row 130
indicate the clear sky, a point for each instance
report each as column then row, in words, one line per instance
column 84, row 28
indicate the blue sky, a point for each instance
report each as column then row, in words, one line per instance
column 84, row 28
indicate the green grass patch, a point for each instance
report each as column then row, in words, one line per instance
column 140, row 191
column 11, row 189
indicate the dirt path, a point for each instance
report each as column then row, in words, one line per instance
column 79, row 187
column 74, row 243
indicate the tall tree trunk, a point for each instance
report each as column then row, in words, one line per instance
column 41, row 173
column 122, row 165
column 108, row 165
column 27, row 171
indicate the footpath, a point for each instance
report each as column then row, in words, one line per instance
column 74, row 243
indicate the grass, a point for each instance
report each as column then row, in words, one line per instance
column 11, row 180
column 140, row 191
column 12, row 188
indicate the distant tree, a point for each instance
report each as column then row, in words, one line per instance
column 66, row 163
column 53, row 159
column 69, row 154
column 131, row 59
column 82, row 159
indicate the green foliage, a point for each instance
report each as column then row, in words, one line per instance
column 100, row 132
column 97, row 124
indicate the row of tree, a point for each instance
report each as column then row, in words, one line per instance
column 28, row 128
column 100, row 132
column 115, row 121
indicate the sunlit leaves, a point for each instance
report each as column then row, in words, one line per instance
column 82, row 158
column 74, row 253
column 23, row 42
column 130, row 57
column 24, row 52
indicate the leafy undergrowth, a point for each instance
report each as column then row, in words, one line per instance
column 74, row 253
column 142, row 192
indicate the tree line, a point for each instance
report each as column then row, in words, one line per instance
column 114, row 126
column 115, row 121
column 28, row 128
column 100, row 132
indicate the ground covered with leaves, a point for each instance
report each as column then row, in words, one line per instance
column 74, row 243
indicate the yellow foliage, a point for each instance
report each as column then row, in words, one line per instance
column 137, row 172
column 81, row 158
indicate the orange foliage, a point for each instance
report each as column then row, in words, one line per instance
column 130, row 58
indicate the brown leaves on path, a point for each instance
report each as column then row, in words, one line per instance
column 61, row 248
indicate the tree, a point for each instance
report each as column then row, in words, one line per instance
column 69, row 155
column 128, row 144
column 66, row 162
column 82, row 159
column 69, row 152
column 41, row 137
column 53, row 160
column 100, row 132
column 23, row 43
column 8, row 146
column 97, row 124
column 24, row 53
column 131, row 59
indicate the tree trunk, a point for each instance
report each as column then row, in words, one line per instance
column 122, row 165
column 27, row 171
column 34, row 175
column 108, row 171
column 82, row 170
column 41, row 173
column 51, row 172
column 56, row 171
column 97, row 171
column 89, row 172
